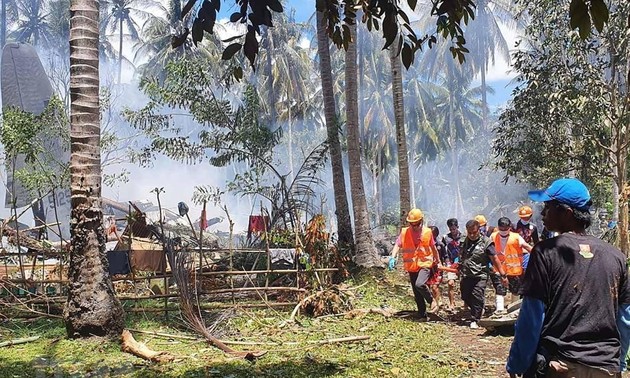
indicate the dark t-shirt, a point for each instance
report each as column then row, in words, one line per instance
column 582, row 281
column 441, row 251
column 475, row 257
column 529, row 232
column 453, row 246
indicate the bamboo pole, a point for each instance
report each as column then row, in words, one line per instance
column 19, row 341
column 137, row 279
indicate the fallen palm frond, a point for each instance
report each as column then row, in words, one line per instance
column 185, row 277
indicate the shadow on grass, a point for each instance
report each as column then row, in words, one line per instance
column 42, row 367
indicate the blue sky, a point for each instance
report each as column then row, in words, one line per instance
column 498, row 77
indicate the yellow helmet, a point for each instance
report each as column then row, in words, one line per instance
column 481, row 220
column 525, row 212
column 415, row 215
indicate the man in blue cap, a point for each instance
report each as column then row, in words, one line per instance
column 575, row 316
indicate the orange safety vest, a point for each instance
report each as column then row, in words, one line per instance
column 512, row 256
column 416, row 257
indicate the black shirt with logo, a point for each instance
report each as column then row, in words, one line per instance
column 582, row 281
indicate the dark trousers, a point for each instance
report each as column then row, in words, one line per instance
column 514, row 284
column 421, row 292
column 495, row 278
column 473, row 294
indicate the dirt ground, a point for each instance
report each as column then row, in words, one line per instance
column 481, row 352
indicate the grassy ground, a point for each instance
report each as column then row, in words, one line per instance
column 398, row 346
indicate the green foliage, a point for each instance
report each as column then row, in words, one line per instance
column 228, row 135
column 287, row 199
column 380, row 15
column 567, row 110
column 42, row 140
column 397, row 346
column 225, row 135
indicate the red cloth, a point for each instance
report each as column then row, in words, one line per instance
column 436, row 277
column 257, row 223
column 203, row 223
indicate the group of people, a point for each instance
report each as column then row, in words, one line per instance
column 574, row 319
column 497, row 254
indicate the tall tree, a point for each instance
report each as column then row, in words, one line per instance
column 121, row 15
column 92, row 307
column 32, row 25
column 344, row 225
column 401, row 137
column 9, row 13
column 438, row 66
column 485, row 40
column 366, row 253
column 155, row 43
column 569, row 116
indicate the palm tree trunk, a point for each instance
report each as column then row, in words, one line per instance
column 366, row 255
column 344, row 225
column 401, row 138
column 120, row 46
column 459, row 203
column 412, row 179
column 484, row 98
column 484, row 68
column 268, row 41
column 92, row 308
column 290, row 143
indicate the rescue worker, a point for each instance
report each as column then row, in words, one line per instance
column 525, row 228
column 510, row 248
column 419, row 255
column 476, row 253
column 574, row 320
column 483, row 225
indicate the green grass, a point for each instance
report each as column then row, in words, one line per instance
column 397, row 347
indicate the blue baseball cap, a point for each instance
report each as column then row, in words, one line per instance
column 569, row 191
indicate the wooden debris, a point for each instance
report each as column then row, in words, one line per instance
column 167, row 335
column 18, row 341
column 130, row 345
column 326, row 302
column 267, row 343
column 386, row 312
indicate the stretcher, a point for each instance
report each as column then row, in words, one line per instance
column 507, row 319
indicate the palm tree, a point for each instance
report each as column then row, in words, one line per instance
column 8, row 9
column 366, row 254
column 122, row 14
column 32, row 26
column 286, row 78
column 425, row 139
column 344, row 225
column 485, row 40
column 91, row 308
column 376, row 117
column 155, row 42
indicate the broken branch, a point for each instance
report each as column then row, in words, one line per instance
column 130, row 345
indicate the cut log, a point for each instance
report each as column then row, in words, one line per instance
column 130, row 345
